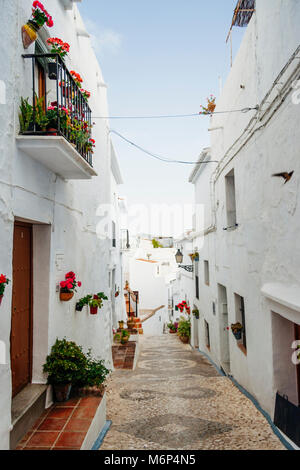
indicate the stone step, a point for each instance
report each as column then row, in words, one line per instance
column 27, row 407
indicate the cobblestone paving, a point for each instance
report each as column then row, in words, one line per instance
column 176, row 400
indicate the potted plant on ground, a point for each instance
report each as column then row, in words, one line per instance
column 91, row 377
column 4, row 281
column 184, row 330
column 68, row 287
column 237, row 330
column 196, row 313
column 172, row 328
column 130, row 323
column 117, row 338
column 39, row 17
column 82, row 302
column 125, row 337
column 63, row 366
column 121, row 324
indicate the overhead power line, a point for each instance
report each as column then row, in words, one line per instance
column 172, row 116
column 159, row 157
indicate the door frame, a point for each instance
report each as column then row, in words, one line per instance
column 18, row 223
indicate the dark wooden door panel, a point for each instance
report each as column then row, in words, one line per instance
column 21, row 325
column 297, row 337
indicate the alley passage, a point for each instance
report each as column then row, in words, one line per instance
column 175, row 399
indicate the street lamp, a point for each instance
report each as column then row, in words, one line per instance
column 179, row 259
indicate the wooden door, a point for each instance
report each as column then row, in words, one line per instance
column 297, row 338
column 21, row 324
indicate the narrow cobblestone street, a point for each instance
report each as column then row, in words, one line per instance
column 176, row 400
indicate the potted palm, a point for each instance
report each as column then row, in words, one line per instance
column 3, row 283
column 68, row 287
column 64, row 365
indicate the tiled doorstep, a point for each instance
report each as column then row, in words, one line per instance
column 74, row 425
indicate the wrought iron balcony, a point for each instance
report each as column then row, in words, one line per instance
column 57, row 130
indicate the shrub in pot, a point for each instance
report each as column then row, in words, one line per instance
column 184, row 330
column 97, row 302
column 172, row 328
column 125, row 337
column 64, row 366
column 91, row 377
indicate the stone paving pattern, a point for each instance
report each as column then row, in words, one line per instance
column 123, row 355
column 176, row 400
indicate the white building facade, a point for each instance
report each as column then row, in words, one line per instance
column 249, row 259
column 51, row 221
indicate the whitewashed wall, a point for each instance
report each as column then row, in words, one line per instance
column 263, row 249
column 68, row 209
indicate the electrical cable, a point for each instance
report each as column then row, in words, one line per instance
column 167, row 116
column 159, row 157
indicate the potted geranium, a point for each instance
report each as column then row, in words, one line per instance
column 237, row 330
column 3, row 283
column 64, row 365
column 68, row 287
column 77, row 78
column 60, row 48
column 39, row 17
column 184, row 330
column 97, row 302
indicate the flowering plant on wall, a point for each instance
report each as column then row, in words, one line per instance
column 39, row 17
column 59, row 47
column 77, row 78
column 184, row 306
column 86, row 94
column 211, row 106
column 3, row 283
column 68, row 286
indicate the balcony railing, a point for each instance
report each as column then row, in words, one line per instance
column 63, row 103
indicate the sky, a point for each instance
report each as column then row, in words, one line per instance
column 160, row 57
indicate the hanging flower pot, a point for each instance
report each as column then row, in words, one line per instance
column 66, row 296
column 93, row 310
column 52, row 70
column 1, row 297
column 237, row 330
column 39, row 17
column 29, row 33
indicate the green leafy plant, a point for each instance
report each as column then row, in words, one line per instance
column 184, row 328
column 117, row 338
column 84, row 301
column 125, row 336
column 156, row 244
column 102, row 296
column 172, row 327
column 93, row 374
column 25, row 114
column 65, row 362
column 196, row 313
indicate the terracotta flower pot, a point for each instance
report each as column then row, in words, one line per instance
column 93, row 310
column 172, row 332
column 1, row 297
column 62, row 392
column 66, row 296
column 184, row 339
column 29, row 33
column 121, row 325
column 51, row 131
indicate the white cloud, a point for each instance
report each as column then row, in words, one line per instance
column 103, row 40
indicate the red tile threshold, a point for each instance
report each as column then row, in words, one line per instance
column 63, row 427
